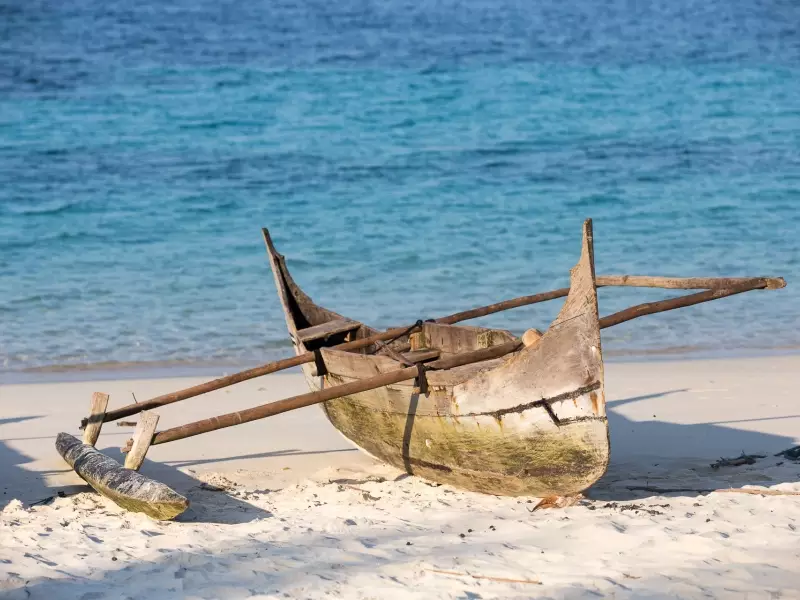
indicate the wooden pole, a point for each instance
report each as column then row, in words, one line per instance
column 650, row 308
column 689, row 283
column 501, row 306
column 674, row 283
column 311, row 398
column 602, row 281
column 303, row 400
column 216, row 384
column 347, row 389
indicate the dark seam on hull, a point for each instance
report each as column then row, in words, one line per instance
column 319, row 362
column 417, row 414
column 427, row 465
column 552, row 414
column 571, row 420
column 523, row 407
column 406, row 452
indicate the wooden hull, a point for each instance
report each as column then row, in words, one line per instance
column 129, row 489
column 533, row 423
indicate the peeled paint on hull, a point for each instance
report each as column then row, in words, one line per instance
column 129, row 489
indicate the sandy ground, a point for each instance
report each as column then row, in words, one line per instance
column 294, row 511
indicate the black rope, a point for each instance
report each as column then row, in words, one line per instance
column 406, row 331
column 417, row 325
column 421, row 380
column 322, row 370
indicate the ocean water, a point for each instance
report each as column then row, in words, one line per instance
column 411, row 159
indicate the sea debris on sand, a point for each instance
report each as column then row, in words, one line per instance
column 744, row 459
column 557, row 502
column 790, row 453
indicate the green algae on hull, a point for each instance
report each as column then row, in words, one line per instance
column 486, row 459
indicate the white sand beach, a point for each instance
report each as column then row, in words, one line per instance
column 285, row 507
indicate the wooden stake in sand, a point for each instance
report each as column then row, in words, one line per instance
column 94, row 423
column 141, row 439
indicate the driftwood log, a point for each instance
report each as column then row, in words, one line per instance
column 127, row 488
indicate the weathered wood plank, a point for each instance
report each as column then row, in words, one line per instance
column 94, row 423
column 127, row 488
column 142, row 437
column 455, row 339
column 317, row 332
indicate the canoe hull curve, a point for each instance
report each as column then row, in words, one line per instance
column 533, row 423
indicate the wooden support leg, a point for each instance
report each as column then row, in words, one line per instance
column 95, row 421
column 142, row 437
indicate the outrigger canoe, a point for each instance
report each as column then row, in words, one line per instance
column 470, row 406
column 530, row 423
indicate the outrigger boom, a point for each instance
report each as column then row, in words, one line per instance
column 562, row 454
column 715, row 288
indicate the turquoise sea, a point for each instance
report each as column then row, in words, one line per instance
column 411, row 159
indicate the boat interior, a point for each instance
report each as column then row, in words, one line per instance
column 314, row 327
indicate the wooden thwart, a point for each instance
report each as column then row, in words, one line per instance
column 318, row 332
column 420, row 356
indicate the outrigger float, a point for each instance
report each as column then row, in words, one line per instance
column 474, row 407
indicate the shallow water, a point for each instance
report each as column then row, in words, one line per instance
column 410, row 159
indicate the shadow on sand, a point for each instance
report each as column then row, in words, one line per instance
column 19, row 482
column 652, row 453
column 302, row 560
column 672, row 456
column 208, row 503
